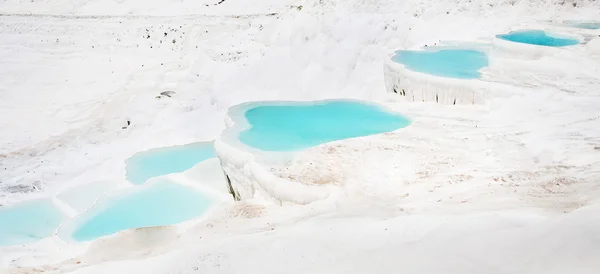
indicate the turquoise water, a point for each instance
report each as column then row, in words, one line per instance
column 537, row 37
column 297, row 126
column 450, row 63
column 28, row 222
column 162, row 203
column 583, row 24
column 161, row 161
column 588, row 25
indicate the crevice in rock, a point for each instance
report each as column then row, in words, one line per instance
column 236, row 197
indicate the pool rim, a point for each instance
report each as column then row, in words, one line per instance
column 481, row 88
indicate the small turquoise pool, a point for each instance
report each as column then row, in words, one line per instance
column 537, row 37
column 297, row 126
column 162, row 203
column 449, row 63
column 28, row 222
column 584, row 24
column 161, row 161
column 588, row 25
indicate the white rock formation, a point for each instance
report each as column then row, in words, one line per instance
column 246, row 169
column 421, row 87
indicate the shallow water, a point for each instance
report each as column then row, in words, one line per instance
column 83, row 197
column 583, row 24
column 28, row 222
column 450, row 63
column 300, row 126
column 588, row 25
column 165, row 160
column 537, row 37
column 161, row 203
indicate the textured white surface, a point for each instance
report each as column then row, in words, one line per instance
column 593, row 47
column 251, row 178
column 420, row 87
column 507, row 186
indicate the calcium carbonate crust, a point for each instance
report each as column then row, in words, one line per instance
column 246, row 168
column 421, row 87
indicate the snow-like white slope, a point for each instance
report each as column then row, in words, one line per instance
column 501, row 242
column 140, row 7
column 73, row 72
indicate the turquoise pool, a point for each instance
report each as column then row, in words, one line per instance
column 583, row 24
column 297, row 126
column 165, row 160
column 28, row 222
column 537, row 37
column 449, row 63
column 590, row 25
column 161, row 203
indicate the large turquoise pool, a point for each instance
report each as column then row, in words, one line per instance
column 449, row 63
column 165, row 160
column 296, row 126
column 537, row 37
column 161, row 203
column 28, row 222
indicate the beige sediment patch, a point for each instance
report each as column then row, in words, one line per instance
column 320, row 165
column 245, row 210
column 30, row 270
column 127, row 245
column 459, row 178
column 559, row 185
column 132, row 244
column 315, row 179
